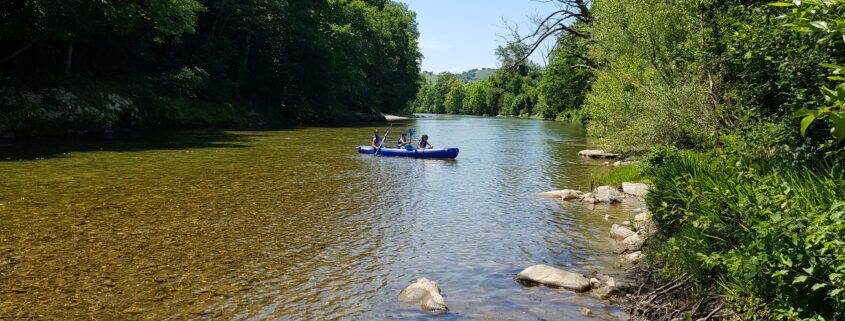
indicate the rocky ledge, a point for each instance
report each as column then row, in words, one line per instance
column 601, row 195
column 598, row 284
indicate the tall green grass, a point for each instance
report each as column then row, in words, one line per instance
column 755, row 230
column 618, row 175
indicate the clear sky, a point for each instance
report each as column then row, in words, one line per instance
column 458, row 35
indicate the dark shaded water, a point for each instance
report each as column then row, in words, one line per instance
column 295, row 225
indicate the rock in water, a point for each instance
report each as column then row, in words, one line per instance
column 619, row 232
column 596, row 153
column 424, row 293
column 586, row 311
column 565, row 194
column 635, row 241
column 603, row 286
column 552, row 194
column 570, row 194
column 547, row 275
column 636, row 189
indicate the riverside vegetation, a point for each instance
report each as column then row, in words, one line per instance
column 88, row 66
column 736, row 110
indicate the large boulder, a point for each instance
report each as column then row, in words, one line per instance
column 619, row 232
column 554, row 277
column 597, row 153
column 424, row 293
column 635, row 189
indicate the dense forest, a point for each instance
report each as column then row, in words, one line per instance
column 83, row 65
column 735, row 109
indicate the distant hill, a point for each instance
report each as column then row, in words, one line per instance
column 473, row 75
column 476, row 75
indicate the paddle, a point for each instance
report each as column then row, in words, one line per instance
column 410, row 137
column 383, row 139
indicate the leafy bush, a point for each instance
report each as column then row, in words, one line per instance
column 756, row 230
column 657, row 157
column 186, row 82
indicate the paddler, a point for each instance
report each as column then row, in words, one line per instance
column 424, row 144
column 403, row 140
column 376, row 140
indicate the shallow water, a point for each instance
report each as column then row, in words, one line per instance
column 295, row 225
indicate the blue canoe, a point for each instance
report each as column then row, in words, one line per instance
column 397, row 152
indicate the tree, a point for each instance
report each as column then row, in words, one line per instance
column 455, row 98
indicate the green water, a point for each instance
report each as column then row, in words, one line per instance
column 295, row 225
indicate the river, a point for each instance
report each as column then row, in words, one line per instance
column 295, row 225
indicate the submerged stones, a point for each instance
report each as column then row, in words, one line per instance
column 554, row 277
column 597, row 153
column 426, row 294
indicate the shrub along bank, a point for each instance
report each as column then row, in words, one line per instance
column 750, row 193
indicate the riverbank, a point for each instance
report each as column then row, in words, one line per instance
column 81, row 106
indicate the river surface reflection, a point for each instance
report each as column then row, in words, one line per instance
column 295, row 225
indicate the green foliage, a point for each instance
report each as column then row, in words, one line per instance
column 308, row 60
column 651, row 89
column 565, row 83
column 618, row 175
column 827, row 19
column 657, row 157
column 187, row 82
column 756, row 230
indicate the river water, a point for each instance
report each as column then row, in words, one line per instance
column 295, row 225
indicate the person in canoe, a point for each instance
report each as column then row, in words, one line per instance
column 424, row 144
column 376, row 140
column 403, row 140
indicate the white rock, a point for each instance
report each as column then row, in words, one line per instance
column 634, row 241
column 642, row 217
column 607, row 190
column 554, row 277
column 619, row 232
column 570, row 194
column 633, row 256
column 564, row 194
column 625, row 163
column 603, row 286
column 424, row 293
column 636, row 189
column 597, row 153
column 552, row 194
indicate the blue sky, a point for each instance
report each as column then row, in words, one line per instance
column 458, row 35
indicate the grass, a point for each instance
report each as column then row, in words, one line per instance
column 755, row 229
column 618, row 175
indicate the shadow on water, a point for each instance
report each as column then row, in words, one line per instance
column 50, row 147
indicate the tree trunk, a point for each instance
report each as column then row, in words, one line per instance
column 69, row 59
column 244, row 61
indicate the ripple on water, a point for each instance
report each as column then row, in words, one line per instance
column 266, row 225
